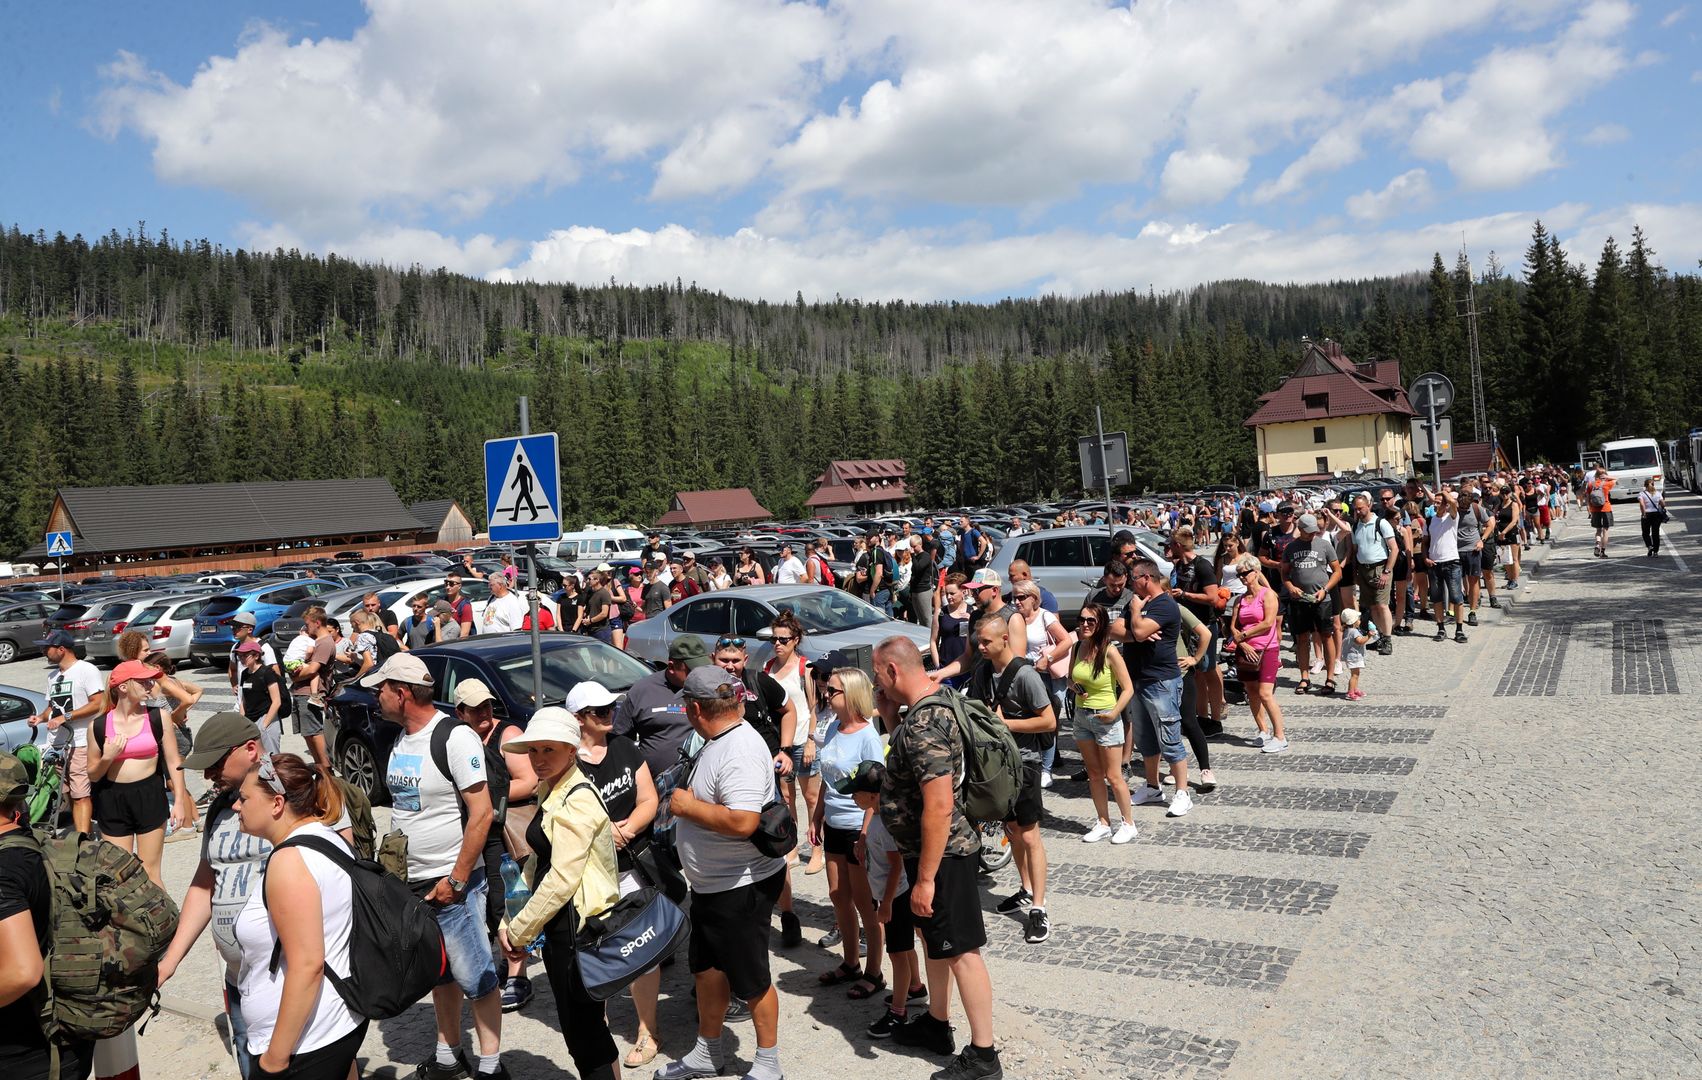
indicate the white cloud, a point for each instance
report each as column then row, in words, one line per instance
column 1408, row 191
column 1493, row 133
column 394, row 246
column 1605, row 135
column 1200, row 177
column 1674, row 17
column 1344, row 144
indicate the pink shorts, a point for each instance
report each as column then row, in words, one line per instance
column 79, row 788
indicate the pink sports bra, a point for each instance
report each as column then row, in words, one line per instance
column 141, row 747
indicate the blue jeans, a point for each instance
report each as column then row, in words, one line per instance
column 1158, row 719
column 883, row 600
column 238, row 1029
column 467, row 941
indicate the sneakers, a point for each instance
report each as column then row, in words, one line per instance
column 1337, row 670
column 1459, row 635
column 928, row 1033
column 1471, row 617
column 1045, row 779
column 920, row 993
column 1016, row 901
column 1513, row 586
column 737, row 1012
column 1441, row 634
column 430, row 1070
column 1125, row 833
column 1207, row 782
column 1494, row 604
column 516, row 992
column 1038, row 927
column 1355, row 695
column 885, row 1026
column 1180, row 804
column 972, row 1065
column 1258, row 738
column 1094, row 835
column 831, row 939
column 1386, row 646
column 1079, row 777
column 1317, row 668
column 1146, row 796
column 1275, row 746
column 791, row 930
column 679, row 1070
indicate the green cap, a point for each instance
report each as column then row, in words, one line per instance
column 14, row 778
column 867, row 776
column 689, row 649
column 218, row 735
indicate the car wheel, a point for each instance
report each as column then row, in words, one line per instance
column 359, row 766
column 8, row 652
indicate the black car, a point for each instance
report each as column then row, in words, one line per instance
column 360, row 738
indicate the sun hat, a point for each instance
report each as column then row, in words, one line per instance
column 550, row 724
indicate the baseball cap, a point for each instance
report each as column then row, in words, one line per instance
column 1308, row 523
column 1285, row 508
column 589, row 695
column 551, row 724
column 658, row 556
column 402, row 668
column 604, row 568
column 215, row 738
column 14, row 778
column 985, row 578
column 58, row 638
column 707, row 682
column 443, row 607
column 133, row 669
column 472, row 693
column 867, row 776
column 246, row 618
column 689, row 650
column 826, row 665
column 249, row 646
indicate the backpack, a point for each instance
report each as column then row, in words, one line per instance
column 766, row 725
column 992, row 766
column 396, row 952
column 109, row 925
column 1598, row 496
column 360, row 819
column 824, row 572
column 384, row 643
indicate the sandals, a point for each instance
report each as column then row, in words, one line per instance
column 845, row 972
column 1329, row 688
column 1303, row 687
column 874, row 986
column 642, row 1052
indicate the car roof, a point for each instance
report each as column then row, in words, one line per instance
column 770, row 592
column 501, row 646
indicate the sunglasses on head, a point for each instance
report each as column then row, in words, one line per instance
column 730, row 643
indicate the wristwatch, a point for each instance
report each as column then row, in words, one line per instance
column 456, row 886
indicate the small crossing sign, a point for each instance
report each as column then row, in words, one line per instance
column 59, row 543
column 523, row 488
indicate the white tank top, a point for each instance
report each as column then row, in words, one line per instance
column 1038, row 638
column 262, row 991
column 792, row 681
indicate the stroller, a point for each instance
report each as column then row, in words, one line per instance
column 45, row 766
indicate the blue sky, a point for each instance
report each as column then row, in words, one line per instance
column 925, row 150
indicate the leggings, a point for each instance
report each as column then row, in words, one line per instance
column 582, row 1019
column 1191, row 729
column 329, row 1062
column 1652, row 531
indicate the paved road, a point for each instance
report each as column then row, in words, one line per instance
column 1486, row 868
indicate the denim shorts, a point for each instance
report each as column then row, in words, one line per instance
column 1157, row 716
column 1089, row 728
column 467, row 940
column 798, row 767
column 1446, row 576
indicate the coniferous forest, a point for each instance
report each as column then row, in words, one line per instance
column 139, row 358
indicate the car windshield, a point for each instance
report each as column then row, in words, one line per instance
column 1631, row 457
column 829, row 611
column 567, row 667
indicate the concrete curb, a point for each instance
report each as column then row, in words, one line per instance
column 189, row 1010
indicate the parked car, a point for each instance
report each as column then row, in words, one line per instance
column 20, row 628
column 1065, row 561
column 832, row 619
column 227, row 581
column 80, row 618
column 390, row 575
column 170, row 624
column 113, row 619
column 265, row 601
column 17, row 705
column 360, row 738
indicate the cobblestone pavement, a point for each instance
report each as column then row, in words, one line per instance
column 1459, row 876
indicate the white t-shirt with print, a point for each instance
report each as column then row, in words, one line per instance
column 423, row 803
column 790, row 572
column 68, row 691
column 504, row 614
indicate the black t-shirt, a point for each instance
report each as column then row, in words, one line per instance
column 1276, row 547
column 765, row 712
column 1150, row 661
column 255, row 699
column 598, row 604
column 922, row 572
column 655, row 598
column 569, row 608
column 1195, row 576
column 23, row 887
column 1114, row 609
column 616, row 778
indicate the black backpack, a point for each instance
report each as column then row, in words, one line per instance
column 396, row 952
column 386, row 644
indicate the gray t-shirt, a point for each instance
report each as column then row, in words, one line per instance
column 1472, row 520
column 1026, row 696
column 1306, row 564
column 733, row 770
column 653, row 713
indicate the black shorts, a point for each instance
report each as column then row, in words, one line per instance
column 1305, row 617
column 1403, row 567
column 1471, row 563
column 1488, row 557
column 956, row 926
column 729, row 934
column 840, row 842
column 131, row 809
column 901, row 928
column 1028, row 806
column 1601, row 519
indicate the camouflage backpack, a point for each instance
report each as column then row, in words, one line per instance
column 365, row 829
column 109, row 926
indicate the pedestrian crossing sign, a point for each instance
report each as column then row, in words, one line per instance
column 523, row 488
column 59, row 543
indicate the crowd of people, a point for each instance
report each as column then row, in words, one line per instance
column 682, row 783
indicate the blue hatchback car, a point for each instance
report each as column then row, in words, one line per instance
column 266, row 601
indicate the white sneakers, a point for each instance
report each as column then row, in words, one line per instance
column 1146, row 796
column 1045, row 779
column 1274, row 746
column 1180, row 803
column 1096, row 834
column 1125, row 833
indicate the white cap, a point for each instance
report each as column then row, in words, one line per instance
column 402, row 668
column 588, row 695
column 472, row 693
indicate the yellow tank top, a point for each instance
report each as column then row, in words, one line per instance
column 1094, row 693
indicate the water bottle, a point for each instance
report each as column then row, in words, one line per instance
column 515, row 893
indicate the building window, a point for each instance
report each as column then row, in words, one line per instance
column 1323, row 464
column 1316, row 401
column 1318, row 434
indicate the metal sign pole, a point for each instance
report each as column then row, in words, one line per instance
column 1435, row 450
column 532, row 589
column 1104, row 473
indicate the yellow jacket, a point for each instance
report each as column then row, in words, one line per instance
column 582, row 859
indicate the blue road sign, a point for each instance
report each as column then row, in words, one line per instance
column 59, row 543
column 523, row 488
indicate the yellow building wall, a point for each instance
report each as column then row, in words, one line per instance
column 1382, row 443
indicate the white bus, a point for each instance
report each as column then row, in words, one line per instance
column 1632, row 461
column 594, row 544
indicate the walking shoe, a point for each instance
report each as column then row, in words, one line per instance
column 1125, row 833
column 430, row 1070
column 1512, row 586
column 1045, row 779
column 1386, row 647
column 971, row 1065
column 919, row 993
column 1039, row 927
column 1180, row 804
column 737, row 1012
column 831, row 939
column 928, row 1033
column 1094, row 835
column 1494, row 604
column 1146, row 796
column 1471, row 617
column 207, row 797
column 1016, row 901
column 1441, row 634
column 791, row 930
column 516, row 992
column 1337, row 670
column 1079, row 776
column 679, row 1070
column 1276, row 746
column 1207, row 782
column 1317, row 668
column 885, row 1026
column 1460, row 636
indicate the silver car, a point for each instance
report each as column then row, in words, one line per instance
column 20, row 628
column 1065, row 561
column 169, row 623
column 17, row 705
column 832, row 619
column 111, row 618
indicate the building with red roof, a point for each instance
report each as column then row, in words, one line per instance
column 1334, row 417
column 859, row 487
column 728, row 506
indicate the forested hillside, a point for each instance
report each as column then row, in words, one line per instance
column 139, row 358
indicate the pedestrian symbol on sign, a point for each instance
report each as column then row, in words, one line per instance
column 522, row 489
column 58, row 543
column 522, row 485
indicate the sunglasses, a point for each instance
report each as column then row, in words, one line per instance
column 730, row 643
column 778, row 640
column 1087, row 622
column 835, row 690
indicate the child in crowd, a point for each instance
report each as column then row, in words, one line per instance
column 891, row 890
column 1353, row 652
column 301, row 646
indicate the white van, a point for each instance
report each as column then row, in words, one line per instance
column 595, row 544
column 1632, row 461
